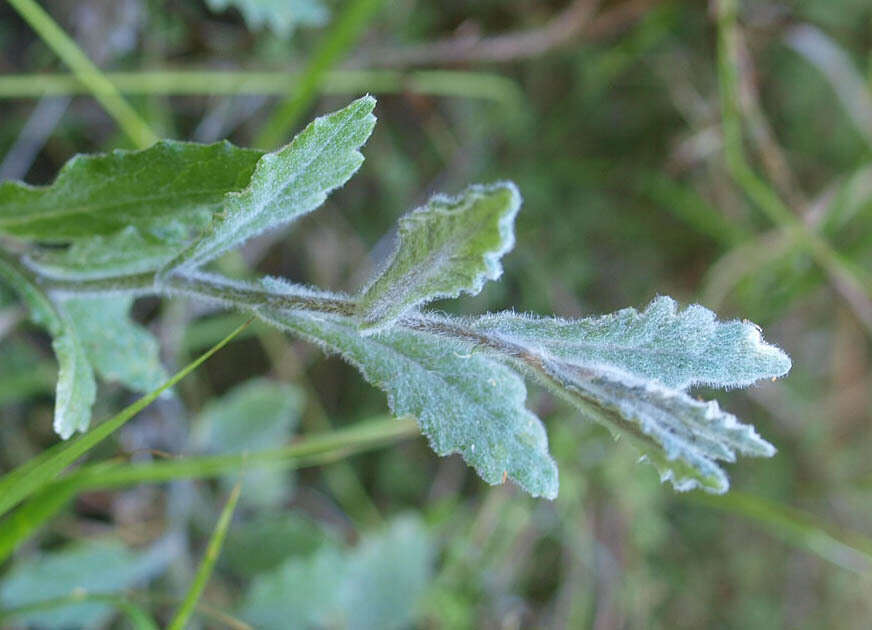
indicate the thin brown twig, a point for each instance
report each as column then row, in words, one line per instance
column 579, row 18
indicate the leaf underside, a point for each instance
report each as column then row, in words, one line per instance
column 465, row 403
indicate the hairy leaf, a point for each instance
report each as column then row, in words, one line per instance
column 289, row 183
column 281, row 16
column 677, row 348
column 692, row 434
column 465, row 403
column 449, row 246
column 372, row 587
column 119, row 349
column 76, row 389
column 155, row 190
column 123, row 253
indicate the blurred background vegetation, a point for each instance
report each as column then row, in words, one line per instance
column 661, row 148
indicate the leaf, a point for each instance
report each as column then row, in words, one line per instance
column 252, row 417
column 692, row 434
column 269, row 539
column 281, row 16
column 156, row 190
column 464, row 403
column 289, row 183
column 635, row 366
column 677, row 348
column 123, row 253
column 76, row 389
column 118, row 348
column 372, row 587
column 449, row 246
column 90, row 567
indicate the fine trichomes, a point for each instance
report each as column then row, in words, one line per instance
column 146, row 222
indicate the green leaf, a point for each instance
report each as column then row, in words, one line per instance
column 449, row 246
column 76, row 389
column 289, row 183
column 156, row 190
column 281, row 16
column 250, row 418
column 464, row 402
column 118, row 348
column 91, row 567
column 126, row 252
column 677, row 348
column 372, row 587
column 269, row 539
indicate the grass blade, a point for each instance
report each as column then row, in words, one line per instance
column 797, row 528
column 205, row 571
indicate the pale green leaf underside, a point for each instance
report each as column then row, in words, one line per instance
column 124, row 253
column 683, row 437
column 677, row 348
column 289, row 183
column 465, row 403
column 375, row 586
column 76, row 388
column 449, row 246
column 155, row 190
column 281, row 16
column 254, row 416
column 119, row 349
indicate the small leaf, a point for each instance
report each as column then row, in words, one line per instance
column 449, row 246
column 254, row 416
column 288, row 183
column 465, row 403
column 677, row 348
column 281, row 16
column 118, row 348
column 76, row 389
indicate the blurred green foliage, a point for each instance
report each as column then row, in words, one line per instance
column 616, row 146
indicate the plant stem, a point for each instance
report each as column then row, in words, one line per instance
column 87, row 73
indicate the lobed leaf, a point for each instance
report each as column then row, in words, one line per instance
column 676, row 348
column 465, row 403
column 281, row 16
column 447, row 247
column 76, row 388
column 288, row 183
